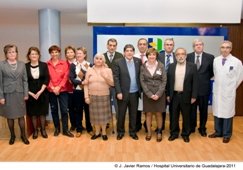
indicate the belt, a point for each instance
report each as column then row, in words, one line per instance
column 178, row 92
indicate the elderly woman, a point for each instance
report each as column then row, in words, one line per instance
column 153, row 82
column 78, row 70
column 13, row 91
column 97, row 82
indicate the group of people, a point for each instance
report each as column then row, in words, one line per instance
column 145, row 82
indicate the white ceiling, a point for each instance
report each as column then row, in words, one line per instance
column 62, row 5
column 26, row 7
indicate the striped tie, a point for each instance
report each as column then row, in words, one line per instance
column 167, row 61
column 198, row 62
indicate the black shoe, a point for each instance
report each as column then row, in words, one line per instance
column 72, row 128
column 186, row 139
column 171, row 138
column 43, row 133
column 35, row 134
column 203, row 133
column 12, row 140
column 56, row 132
column 119, row 136
column 104, row 137
column 214, row 135
column 107, row 125
column 95, row 136
column 134, row 136
column 68, row 133
column 226, row 140
column 25, row 140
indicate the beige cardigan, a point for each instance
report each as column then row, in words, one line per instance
column 98, row 83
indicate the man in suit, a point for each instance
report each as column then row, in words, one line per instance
column 127, row 84
column 204, row 62
column 142, row 48
column 181, row 92
column 110, row 57
column 167, row 57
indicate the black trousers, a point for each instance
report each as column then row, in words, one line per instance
column 132, row 105
column 62, row 100
column 202, row 102
column 80, row 105
column 179, row 105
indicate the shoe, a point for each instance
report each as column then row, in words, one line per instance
column 148, row 137
column 186, row 139
column 56, row 132
column 134, row 136
column 226, row 140
column 214, row 135
column 171, row 138
column 72, row 128
column 68, row 133
column 119, row 136
column 203, row 133
column 12, row 140
column 43, row 133
column 35, row 134
column 78, row 134
column 104, row 137
column 91, row 133
column 25, row 140
column 95, row 136
column 145, row 126
column 107, row 126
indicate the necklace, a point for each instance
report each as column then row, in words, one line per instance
column 13, row 66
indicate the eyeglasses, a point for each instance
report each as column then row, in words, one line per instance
column 223, row 47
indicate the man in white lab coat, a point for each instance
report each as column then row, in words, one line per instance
column 228, row 74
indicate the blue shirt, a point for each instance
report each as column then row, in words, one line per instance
column 132, row 74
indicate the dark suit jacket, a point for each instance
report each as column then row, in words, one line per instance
column 122, row 78
column 116, row 56
column 190, row 82
column 161, row 58
column 205, row 72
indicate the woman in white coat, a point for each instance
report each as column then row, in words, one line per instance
column 228, row 74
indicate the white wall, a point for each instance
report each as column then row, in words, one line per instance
column 23, row 31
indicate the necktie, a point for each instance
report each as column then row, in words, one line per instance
column 223, row 61
column 167, row 61
column 111, row 57
column 142, row 58
column 198, row 62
